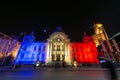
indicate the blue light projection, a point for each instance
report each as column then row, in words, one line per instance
column 31, row 51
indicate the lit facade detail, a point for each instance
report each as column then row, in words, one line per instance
column 86, row 51
column 31, row 51
column 100, row 33
column 58, row 48
column 8, row 47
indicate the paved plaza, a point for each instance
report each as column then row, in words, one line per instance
column 55, row 74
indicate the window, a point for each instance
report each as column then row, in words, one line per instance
column 35, row 48
column 22, row 55
column 39, row 48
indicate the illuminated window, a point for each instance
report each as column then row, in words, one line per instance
column 22, row 56
column 33, row 55
column 35, row 48
column 24, row 47
column 58, row 39
column 39, row 48
column 44, row 48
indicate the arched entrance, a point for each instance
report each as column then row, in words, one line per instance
column 58, row 48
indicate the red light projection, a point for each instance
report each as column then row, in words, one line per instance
column 86, row 51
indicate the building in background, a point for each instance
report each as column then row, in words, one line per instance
column 108, row 47
column 100, row 33
column 8, row 48
column 115, row 39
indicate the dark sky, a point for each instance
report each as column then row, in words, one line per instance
column 73, row 17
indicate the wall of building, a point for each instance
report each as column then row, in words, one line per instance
column 58, row 45
column 8, row 48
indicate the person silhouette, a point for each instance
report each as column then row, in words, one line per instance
column 111, row 67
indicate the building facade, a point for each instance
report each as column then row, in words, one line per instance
column 57, row 49
column 8, row 48
column 99, row 34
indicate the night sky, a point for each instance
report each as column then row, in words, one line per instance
column 43, row 17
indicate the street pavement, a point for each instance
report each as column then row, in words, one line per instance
column 82, row 73
column 9, row 68
column 55, row 74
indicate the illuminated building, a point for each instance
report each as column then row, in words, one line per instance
column 57, row 48
column 31, row 51
column 115, row 46
column 117, row 38
column 8, row 47
column 100, row 33
column 110, row 48
column 85, row 51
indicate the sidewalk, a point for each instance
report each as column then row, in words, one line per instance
column 31, row 67
column 9, row 68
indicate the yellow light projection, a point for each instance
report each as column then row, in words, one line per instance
column 99, row 25
column 100, row 34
